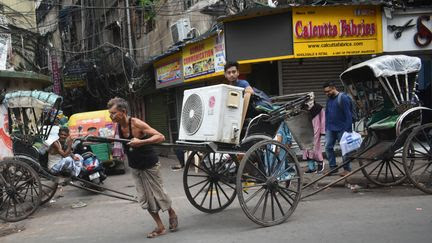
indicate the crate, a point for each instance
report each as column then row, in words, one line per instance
column 101, row 150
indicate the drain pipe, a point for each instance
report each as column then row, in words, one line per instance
column 128, row 19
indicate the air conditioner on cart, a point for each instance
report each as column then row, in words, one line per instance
column 180, row 29
column 212, row 114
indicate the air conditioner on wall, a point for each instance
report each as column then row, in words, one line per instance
column 212, row 114
column 180, row 29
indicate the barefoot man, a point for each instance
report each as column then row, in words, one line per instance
column 144, row 163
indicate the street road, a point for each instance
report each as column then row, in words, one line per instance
column 401, row 214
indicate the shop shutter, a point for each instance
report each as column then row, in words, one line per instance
column 157, row 112
column 305, row 75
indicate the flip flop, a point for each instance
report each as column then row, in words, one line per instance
column 155, row 233
column 173, row 224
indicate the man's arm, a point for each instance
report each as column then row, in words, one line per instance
column 144, row 128
column 59, row 149
column 347, row 111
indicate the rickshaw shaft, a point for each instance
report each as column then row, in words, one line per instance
column 93, row 184
column 102, row 193
column 340, row 179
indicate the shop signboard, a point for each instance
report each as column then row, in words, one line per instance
column 75, row 75
column 336, row 31
column 5, row 140
column 409, row 30
column 168, row 71
column 204, row 57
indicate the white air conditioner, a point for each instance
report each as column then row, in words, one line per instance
column 212, row 114
column 180, row 29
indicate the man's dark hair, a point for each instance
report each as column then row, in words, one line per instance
column 231, row 64
column 119, row 103
column 64, row 129
column 329, row 84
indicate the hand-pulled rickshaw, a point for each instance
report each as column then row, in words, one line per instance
column 25, row 182
column 265, row 175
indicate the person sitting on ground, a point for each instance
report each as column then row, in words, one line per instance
column 61, row 159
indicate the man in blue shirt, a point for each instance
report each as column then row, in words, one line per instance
column 338, row 120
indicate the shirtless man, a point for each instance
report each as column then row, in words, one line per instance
column 144, row 163
column 61, row 158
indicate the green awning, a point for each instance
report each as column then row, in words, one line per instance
column 25, row 76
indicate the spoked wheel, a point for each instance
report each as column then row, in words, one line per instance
column 209, row 180
column 417, row 157
column 20, row 190
column 49, row 188
column 269, row 183
column 383, row 172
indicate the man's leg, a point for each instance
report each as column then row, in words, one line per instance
column 160, row 228
column 330, row 140
column 346, row 167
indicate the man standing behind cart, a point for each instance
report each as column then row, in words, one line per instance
column 338, row 118
column 144, row 163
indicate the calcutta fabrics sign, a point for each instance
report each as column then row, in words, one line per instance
column 336, row 31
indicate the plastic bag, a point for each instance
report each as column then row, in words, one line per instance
column 350, row 142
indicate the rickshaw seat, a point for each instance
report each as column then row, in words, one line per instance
column 386, row 123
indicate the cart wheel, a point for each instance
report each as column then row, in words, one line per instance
column 386, row 172
column 20, row 190
column 269, row 174
column 49, row 189
column 209, row 180
column 417, row 157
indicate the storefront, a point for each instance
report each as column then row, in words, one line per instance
column 410, row 33
column 197, row 64
column 326, row 40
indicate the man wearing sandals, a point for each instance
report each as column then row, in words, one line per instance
column 144, row 163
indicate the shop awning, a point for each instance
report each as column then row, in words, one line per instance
column 25, row 76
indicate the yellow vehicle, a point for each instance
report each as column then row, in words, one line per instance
column 98, row 123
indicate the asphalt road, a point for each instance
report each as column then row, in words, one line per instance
column 400, row 214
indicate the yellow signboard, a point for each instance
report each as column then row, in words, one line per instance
column 203, row 58
column 336, row 31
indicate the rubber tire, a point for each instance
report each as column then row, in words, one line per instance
column 187, row 167
column 240, row 190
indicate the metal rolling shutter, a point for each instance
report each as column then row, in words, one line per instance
column 310, row 74
column 157, row 112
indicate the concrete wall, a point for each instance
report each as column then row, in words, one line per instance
column 21, row 13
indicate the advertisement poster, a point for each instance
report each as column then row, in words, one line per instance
column 219, row 53
column 169, row 73
column 198, row 58
column 337, row 31
column 5, row 141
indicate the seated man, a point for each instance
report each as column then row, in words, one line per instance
column 259, row 97
column 61, row 158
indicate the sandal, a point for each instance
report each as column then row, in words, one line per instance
column 173, row 223
column 156, row 232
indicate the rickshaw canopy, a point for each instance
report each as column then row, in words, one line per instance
column 35, row 99
column 383, row 66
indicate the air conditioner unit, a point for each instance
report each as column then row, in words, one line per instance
column 180, row 29
column 212, row 114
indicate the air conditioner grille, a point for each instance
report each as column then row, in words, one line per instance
column 192, row 114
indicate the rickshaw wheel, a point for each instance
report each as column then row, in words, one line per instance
column 49, row 187
column 209, row 180
column 269, row 174
column 417, row 157
column 385, row 172
column 20, row 191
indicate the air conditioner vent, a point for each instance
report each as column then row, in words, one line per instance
column 192, row 114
